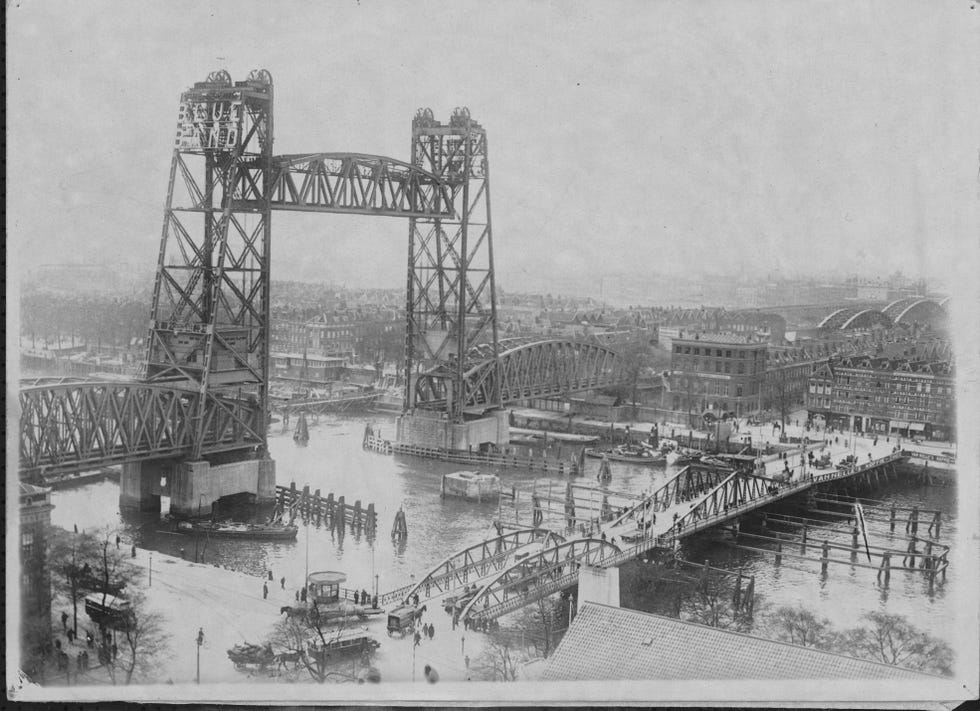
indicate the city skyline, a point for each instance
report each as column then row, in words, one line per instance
column 722, row 141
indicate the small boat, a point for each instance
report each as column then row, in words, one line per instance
column 249, row 531
column 632, row 453
column 682, row 455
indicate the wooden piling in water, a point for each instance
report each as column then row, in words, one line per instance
column 750, row 596
column 854, row 543
column 891, row 519
column 356, row 523
column 824, row 558
column 803, row 538
column 341, row 518
column 779, row 553
column 318, row 506
column 885, row 571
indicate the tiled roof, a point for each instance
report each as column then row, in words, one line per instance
column 612, row 643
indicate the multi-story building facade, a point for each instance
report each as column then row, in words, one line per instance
column 720, row 373
column 35, row 580
column 886, row 396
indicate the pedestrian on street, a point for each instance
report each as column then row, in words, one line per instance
column 466, row 660
column 356, row 596
column 302, row 594
column 64, row 621
column 90, row 640
column 71, row 636
column 297, row 596
column 270, row 575
column 265, row 591
column 134, row 550
column 432, row 630
column 117, row 541
column 282, row 582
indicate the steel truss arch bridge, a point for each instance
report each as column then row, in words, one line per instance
column 845, row 318
column 916, row 308
column 536, row 576
column 207, row 367
column 480, row 560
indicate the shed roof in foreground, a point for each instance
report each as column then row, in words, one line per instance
column 613, row 643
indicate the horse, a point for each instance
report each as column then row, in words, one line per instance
column 292, row 611
column 284, row 658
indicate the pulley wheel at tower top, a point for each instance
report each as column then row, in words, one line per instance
column 260, row 75
column 220, row 76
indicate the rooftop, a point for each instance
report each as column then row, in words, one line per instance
column 613, row 643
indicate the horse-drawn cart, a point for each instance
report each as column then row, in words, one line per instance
column 252, row 656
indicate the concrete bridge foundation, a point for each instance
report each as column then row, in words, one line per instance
column 430, row 429
column 142, row 483
column 194, row 486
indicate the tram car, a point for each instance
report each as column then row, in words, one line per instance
column 402, row 620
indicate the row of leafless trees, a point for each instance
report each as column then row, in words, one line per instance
column 82, row 563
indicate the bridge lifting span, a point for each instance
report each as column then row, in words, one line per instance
column 209, row 331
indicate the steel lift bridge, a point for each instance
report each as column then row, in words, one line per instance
column 195, row 426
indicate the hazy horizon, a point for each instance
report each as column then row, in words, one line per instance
column 628, row 141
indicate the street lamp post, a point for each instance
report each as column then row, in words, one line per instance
column 200, row 641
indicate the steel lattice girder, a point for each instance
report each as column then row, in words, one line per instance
column 689, row 482
column 209, row 323
column 547, row 571
column 542, row 369
column 71, row 427
column 479, row 560
column 735, row 490
column 450, row 301
column 356, row 183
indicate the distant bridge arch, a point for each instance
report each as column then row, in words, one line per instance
column 917, row 308
column 845, row 318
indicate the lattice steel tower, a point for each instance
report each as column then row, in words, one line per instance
column 451, row 303
column 209, row 325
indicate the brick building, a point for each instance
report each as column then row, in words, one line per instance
column 885, row 395
column 718, row 373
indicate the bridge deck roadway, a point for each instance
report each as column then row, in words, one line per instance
column 665, row 531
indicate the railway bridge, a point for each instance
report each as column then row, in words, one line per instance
column 195, row 426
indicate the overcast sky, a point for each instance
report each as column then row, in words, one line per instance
column 625, row 138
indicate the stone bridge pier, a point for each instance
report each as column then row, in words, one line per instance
column 194, row 485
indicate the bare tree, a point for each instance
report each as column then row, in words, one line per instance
column 711, row 604
column 137, row 642
column 71, row 557
column 893, row 640
column 498, row 659
column 798, row 625
column 294, row 634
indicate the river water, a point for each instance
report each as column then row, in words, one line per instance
column 334, row 461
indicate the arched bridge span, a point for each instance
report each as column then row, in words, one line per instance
column 916, row 308
column 536, row 576
column 526, row 369
column 479, row 560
